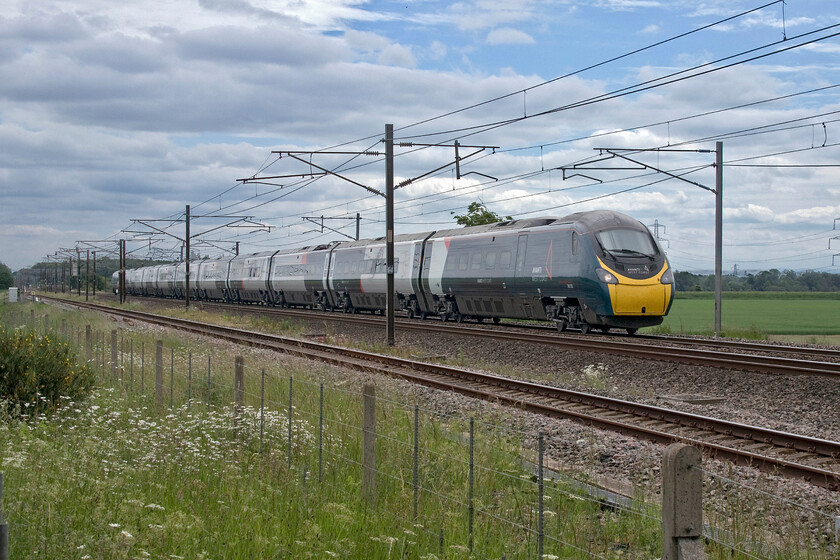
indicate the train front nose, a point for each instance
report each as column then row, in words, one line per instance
column 641, row 297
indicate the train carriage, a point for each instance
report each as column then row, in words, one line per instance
column 248, row 279
column 165, row 281
column 358, row 273
column 115, row 282
column 148, row 280
column 211, row 282
column 298, row 278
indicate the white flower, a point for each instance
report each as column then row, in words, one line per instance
column 114, row 525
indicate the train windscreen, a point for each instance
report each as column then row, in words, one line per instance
column 627, row 242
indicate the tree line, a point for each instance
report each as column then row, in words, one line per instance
column 772, row 280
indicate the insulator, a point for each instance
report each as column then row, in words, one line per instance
column 406, row 144
column 371, row 153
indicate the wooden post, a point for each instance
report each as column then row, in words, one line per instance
column 682, row 503
column 159, row 373
column 369, row 443
column 239, row 384
column 114, row 352
column 88, row 343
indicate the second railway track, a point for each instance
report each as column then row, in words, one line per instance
column 745, row 356
column 812, row 459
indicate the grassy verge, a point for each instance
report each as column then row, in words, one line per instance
column 123, row 475
column 128, row 474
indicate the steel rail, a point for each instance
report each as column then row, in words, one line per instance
column 623, row 346
column 781, row 452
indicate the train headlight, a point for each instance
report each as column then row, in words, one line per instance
column 668, row 277
column 606, row 277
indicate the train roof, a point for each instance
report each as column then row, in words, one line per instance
column 601, row 219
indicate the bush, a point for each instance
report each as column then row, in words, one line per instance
column 37, row 370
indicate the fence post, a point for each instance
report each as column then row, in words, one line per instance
column 159, row 373
column 238, row 384
column 4, row 527
column 541, row 497
column 682, row 503
column 64, row 328
column 189, row 380
column 416, row 460
column 131, row 365
column 172, row 378
column 369, row 443
column 142, row 366
column 291, row 421
column 113, row 352
column 88, row 343
column 209, row 388
column 46, row 324
column 321, row 435
column 262, row 408
column 470, row 505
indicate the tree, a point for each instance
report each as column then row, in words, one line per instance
column 6, row 278
column 478, row 214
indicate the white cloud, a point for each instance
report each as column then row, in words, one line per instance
column 509, row 36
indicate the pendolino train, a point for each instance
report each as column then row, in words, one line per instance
column 599, row 269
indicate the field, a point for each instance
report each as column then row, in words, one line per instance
column 804, row 317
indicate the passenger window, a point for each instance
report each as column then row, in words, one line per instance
column 504, row 259
column 490, row 261
column 463, row 262
column 475, row 262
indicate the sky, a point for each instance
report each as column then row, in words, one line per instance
column 116, row 115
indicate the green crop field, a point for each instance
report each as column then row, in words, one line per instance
column 756, row 314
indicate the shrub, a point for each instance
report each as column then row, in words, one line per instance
column 37, row 370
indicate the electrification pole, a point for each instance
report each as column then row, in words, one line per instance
column 187, row 261
column 718, row 234
column 389, row 231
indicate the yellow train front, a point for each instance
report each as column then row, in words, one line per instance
column 624, row 279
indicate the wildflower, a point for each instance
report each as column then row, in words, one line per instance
column 126, row 535
column 155, row 506
column 114, row 525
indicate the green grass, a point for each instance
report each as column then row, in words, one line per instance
column 119, row 475
column 756, row 314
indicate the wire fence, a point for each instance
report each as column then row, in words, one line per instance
column 451, row 480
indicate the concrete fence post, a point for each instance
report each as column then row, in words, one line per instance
column 238, row 384
column 159, row 373
column 369, row 443
column 682, row 503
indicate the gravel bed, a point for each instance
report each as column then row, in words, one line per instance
column 807, row 405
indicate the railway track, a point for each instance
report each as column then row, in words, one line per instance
column 738, row 355
column 811, row 459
